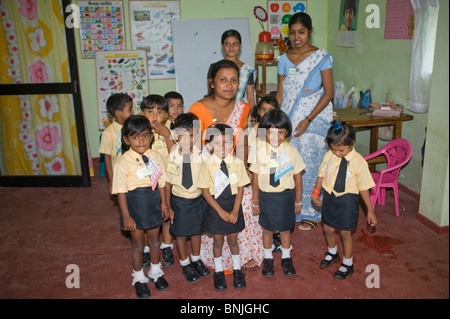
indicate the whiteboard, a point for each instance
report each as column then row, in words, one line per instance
column 197, row 44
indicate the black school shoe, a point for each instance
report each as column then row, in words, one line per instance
column 267, row 269
column 189, row 273
column 327, row 263
column 160, row 283
column 142, row 290
column 288, row 267
column 344, row 274
column 167, row 257
column 200, row 268
column 219, row 281
column 239, row 279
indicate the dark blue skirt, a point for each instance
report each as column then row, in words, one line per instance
column 215, row 225
column 188, row 215
column 144, row 206
column 277, row 210
column 340, row 212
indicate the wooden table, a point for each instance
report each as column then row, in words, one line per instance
column 364, row 118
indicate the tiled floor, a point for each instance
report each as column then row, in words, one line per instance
column 44, row 230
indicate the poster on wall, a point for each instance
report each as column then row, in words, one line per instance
column 399, row 20
column 101, row 27
column 279, row 14
column 347, row 23
column 151, row 30
column 120, row 72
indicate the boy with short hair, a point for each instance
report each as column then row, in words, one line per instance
column 121, row 107
column 175, row 107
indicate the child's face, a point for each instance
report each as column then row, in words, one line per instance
column 186, row 139
column 275, row 136
column 121, row 116
column 139, row 142
column 231, row 46
column 226, row 83
column 176, row 108
column 348, row 17
column 341, row 150
column 299, row 35
column 222, row 145
column 265, row 107
column 155, row 115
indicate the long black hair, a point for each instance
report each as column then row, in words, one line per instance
column 276, row 118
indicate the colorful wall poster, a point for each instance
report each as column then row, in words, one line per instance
column 101, row 27
column 279, row 14
column 151, row 30
column 348, row 20
column 120, row 72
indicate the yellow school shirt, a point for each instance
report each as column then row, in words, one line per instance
column 263, row 162
column 111, row 142
column 358, row 175
column 125, row 172
column 168, row 123
column 160, row 145
column 174, row 172
column 236, row 173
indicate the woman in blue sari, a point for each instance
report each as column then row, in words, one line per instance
column 305, row 90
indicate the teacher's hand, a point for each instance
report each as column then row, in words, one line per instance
column 301, row 127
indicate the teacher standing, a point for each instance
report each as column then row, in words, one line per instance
column 305, row 90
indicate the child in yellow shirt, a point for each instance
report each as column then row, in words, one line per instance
column 222, row 180
column 175, row 107
column 343, row 175
column 277, row 187
column 139, row 182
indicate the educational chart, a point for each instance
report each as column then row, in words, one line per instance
column 101, row 27
column 279, row 14
column 151, row 30
column 120, row 72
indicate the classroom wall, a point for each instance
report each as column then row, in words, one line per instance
column 190, row 9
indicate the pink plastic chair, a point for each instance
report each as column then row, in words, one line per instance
column 397, row 152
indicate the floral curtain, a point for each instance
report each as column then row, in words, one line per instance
column 39, row 133
column 424, row 39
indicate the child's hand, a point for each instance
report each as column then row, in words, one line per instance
column 224, row 215
column 371, row 218
column 298, row 208
column 317, row 202
column 161, row 129
column 233, row 216
column 165, row 213
column 255, row 209
column 129, row 224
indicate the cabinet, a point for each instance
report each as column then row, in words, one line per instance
column 261, row 85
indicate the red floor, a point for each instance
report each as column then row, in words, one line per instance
column 44, row 230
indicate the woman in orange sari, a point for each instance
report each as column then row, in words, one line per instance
column 220, row 106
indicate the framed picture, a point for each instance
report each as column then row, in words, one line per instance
column 348, row 20
column 151, row 30
column 120, row 72
column 101, row 27
column 280, row 12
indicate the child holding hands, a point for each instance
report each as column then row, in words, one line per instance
column 277, row 187
column 222, row 180
column 139, row 182
column 343, row 175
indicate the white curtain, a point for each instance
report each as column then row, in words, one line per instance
column 424, row 38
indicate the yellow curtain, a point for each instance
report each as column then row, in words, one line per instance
column 38, row 131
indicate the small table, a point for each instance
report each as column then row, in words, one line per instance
column 364, row 118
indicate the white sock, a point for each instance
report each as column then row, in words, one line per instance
column 286, row 252
column 163, row 245
column 195, row 258
column 138, row 276
column 236, row 262
column 268, row 253
column 218, row 264
column 185, row 262
column 146, row 249
column 155, row 271
column 331, row 251
column 347, row 262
